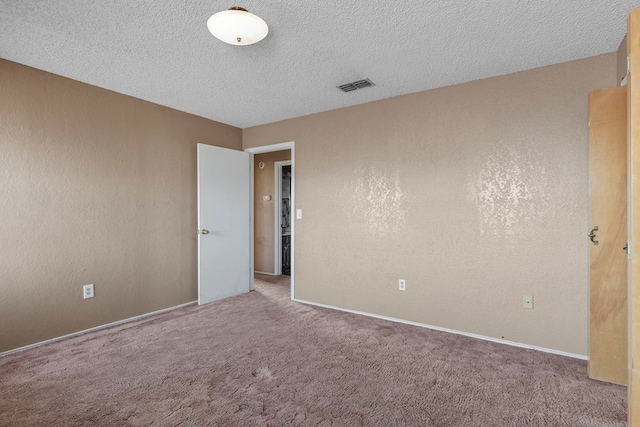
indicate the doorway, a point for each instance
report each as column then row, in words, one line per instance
column 273, row 199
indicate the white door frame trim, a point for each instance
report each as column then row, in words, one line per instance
column 268, row 149
column 277, row 259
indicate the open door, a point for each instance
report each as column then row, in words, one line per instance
column 633, row 117
column 224, row 223
column 608, row 216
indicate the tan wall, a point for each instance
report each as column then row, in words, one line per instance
column 96, row 187
column 264, row 233
column 476, row 194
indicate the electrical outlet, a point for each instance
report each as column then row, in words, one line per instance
column 87, row 291
column 527, row 301
column 298, row 213
column 402, row 284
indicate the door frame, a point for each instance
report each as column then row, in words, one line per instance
column 277, row 169
column 269, row 149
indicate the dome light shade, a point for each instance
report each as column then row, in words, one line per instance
column 237, row 26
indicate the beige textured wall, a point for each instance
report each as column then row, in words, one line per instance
column 264, row 233
column 476, row 194
column 96, row 187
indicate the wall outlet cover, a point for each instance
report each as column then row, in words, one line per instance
column 87, row 291
column 527, row 301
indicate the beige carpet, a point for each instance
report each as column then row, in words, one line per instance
column 261, row 360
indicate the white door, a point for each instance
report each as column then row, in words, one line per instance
column 224, row 223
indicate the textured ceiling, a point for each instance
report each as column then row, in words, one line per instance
column 161, row 50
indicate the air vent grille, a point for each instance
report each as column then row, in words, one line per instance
column 359, row 84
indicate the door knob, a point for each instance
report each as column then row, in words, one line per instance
column 592, row 235
column 205, row 231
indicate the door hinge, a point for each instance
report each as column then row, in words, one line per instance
column 627, row 249
column 628, row 64
column 589, row 124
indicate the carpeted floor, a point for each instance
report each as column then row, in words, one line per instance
column 261, row 360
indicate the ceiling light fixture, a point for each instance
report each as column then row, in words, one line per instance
column 237, row 26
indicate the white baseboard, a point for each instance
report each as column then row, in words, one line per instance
column 451, row 331
column 268, row 274
column 96, row 328
column 361, row 313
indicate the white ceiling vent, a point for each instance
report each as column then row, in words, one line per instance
column 348, row 87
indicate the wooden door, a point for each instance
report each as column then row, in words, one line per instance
column 633, row 115
column 608, row 216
